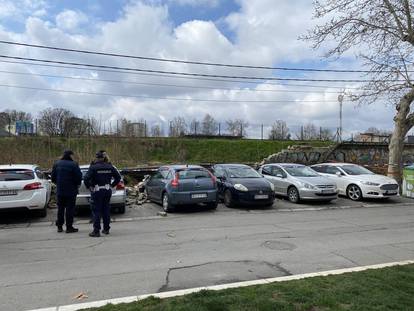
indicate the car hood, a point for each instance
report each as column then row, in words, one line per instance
column 252, row 183
column 319, row 180
column 380, row 179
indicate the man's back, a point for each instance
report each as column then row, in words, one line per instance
column 67, row 176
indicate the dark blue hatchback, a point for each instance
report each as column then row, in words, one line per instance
column 174, row 185
column 241, row 184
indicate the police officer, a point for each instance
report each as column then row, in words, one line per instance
column 101, row 178
column 67, row 176
column 106, row 159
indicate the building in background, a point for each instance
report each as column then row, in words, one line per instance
column 20, row 128
column 373, row 138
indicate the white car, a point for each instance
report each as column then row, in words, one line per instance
column 118, row 198
column 357, row 182
column 24, row 187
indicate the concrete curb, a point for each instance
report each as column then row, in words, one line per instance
column 101, row 303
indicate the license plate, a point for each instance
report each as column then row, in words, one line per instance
column 261, row 196
column 4, row 193
column 328, row 191
column 199, row 196
column 390, row 192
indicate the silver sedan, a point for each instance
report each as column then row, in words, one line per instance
column 299, row 182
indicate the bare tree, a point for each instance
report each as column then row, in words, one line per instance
column 178, row 127
column 195, row 127
column 326, row 134
column 74, row 126
column 9, row 117
column 310, row 132
column 237, row 127
column 156, row 131
column 383, row 33
column 279, row 131
column 53, row 121
column 209, row 125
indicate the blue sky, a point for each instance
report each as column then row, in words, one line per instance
column 261, row 32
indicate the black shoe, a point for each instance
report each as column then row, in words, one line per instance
column 59, row 229
column 95, row 234
column 105, row 231
column 71, row 230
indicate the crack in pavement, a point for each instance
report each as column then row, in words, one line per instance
column 276, row 266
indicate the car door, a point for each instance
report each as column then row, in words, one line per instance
column 153, row 185
column 267, row 172
column 220, row 174
column 334, row 173
column 280, row 176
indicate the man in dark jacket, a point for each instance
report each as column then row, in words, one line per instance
column 101, row 178
column 67, row 176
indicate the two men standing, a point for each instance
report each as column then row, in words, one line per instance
column 101, row 177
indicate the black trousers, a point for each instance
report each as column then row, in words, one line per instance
column 101, row 209
column 66, row 209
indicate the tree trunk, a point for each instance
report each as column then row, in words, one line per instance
column 401, row 129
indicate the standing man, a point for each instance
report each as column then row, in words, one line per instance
column 67, row 176
column 101, row 178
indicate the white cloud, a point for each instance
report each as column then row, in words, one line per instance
column 70, row 20
column 265, row 34
column 209, row 3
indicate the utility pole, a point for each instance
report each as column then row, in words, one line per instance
column 340, row 100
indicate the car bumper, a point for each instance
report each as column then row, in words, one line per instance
column 372, row 192
column 306, row 194
column 36, row 201
column 117, row 199
column 249, row 198
column 186, row 197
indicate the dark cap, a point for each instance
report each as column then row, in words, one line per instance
column 100, row 154
column 68, row 153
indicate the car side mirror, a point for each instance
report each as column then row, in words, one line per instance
column 338, row 174
column 280, row 176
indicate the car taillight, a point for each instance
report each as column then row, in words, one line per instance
column 33, row 186
column 120, row 186
column 175, row 182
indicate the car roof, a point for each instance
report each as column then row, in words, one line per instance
column 286, row 164
column 230, row 165
column 179, row 166
column 334, row 164
column 19, row 166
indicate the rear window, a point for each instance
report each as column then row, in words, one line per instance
column 193, row 174
column 16, row 174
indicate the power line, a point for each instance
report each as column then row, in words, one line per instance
column 189, row 74
column 175, row 77
column 157, row 97
column 159, row 84
column 183, row 61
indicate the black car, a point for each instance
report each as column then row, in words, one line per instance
column 241, row 184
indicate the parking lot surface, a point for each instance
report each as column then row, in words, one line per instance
column 146, row 253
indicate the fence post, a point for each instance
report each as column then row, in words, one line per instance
column 262, row 131
column 219, row 128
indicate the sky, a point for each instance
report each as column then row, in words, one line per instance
column 258, row 33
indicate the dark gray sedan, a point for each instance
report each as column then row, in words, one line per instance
column 174, row 185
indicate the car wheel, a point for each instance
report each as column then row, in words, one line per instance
column 293, row 195
column 228, row 199
column 212, row 205
column 40, row 212
column 354, row 193
column 166, row 205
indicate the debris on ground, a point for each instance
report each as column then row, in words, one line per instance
column 164, row 214
column 81, row 296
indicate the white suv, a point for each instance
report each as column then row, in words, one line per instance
column 24, row 187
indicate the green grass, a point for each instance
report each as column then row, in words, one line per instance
column 135, row 151
column 383, row 289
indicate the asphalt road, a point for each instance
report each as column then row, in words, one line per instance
column 145, row 253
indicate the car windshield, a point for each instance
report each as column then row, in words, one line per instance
column 300, row 171
column 193, row 174
column 16, row 174
column 356, row 170
column 243, row 172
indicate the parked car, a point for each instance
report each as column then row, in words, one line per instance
column 357, row 182
column 241, row 184
column 24, row 187
column 299, row 182
column 175, row 185
column 118, row 198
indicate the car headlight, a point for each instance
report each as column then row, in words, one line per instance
column 308, row 186
column 369, row 183
column 240, row 187
column 272, row 186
